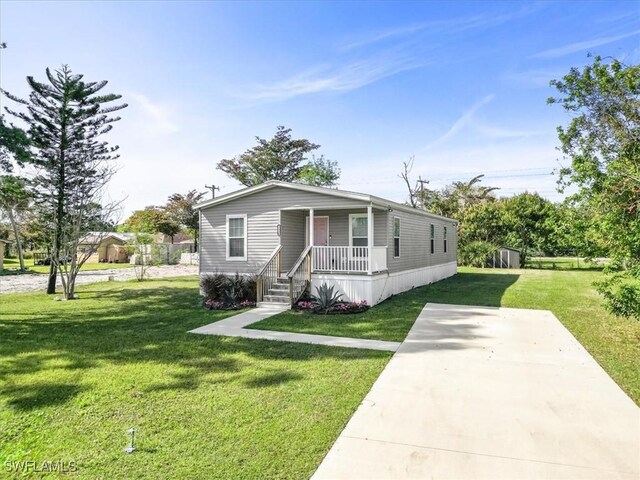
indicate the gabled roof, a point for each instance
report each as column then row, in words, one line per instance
column 95, row 237
column 363, row 197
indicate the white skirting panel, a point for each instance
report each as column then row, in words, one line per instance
column 377, row 287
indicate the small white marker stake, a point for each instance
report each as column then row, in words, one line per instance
column 131, row 448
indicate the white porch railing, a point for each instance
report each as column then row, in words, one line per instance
column 349, row 259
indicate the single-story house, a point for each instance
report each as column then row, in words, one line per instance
column 292, row 235
column 505, row 258
column 108, row 247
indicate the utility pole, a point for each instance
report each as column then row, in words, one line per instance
column 213, row 189
column 421, row 182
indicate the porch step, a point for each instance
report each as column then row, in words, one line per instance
column 277, row 298
column 273, row 304
column 279, row 289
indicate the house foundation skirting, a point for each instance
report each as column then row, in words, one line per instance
column 379, row 286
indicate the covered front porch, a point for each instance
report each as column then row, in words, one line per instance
column 347, row 240
column 337, row 241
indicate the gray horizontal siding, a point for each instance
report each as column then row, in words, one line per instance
column 292, row 237
column 415, row 245
column 339, row 225
column 263, row 216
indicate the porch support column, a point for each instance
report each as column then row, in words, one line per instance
column 370, row 238
column 311, row 234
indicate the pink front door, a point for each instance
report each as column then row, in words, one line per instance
column 321, row 231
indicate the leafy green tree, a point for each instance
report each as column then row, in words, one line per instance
column 526, row 223
column 151, row 220
column 181, row 211
column 451, row 201
column 602, row 144
column 483, row 222
column 280, row 158
column 67, row 119
column 319, row 172
column 14, row 200
column 14, row 146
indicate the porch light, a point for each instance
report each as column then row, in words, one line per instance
column 389, row 209
column 131, row 448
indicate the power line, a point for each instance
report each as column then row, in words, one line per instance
column 213, row 189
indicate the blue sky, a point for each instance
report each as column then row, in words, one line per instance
column 460, row 85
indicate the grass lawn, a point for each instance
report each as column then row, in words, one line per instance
column 74, row 376
column 614, row 342
column 561, row 263
column 12, row 264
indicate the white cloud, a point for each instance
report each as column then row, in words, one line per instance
column 448, row 26
column 468, row 122
column 344, row 78
column 580, row 46
column 461, row 123
column 150, row 116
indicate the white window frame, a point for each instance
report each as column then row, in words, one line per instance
column 246, row 234
column 351, row 217
column 398, row 237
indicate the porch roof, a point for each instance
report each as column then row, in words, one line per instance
column 366, row 199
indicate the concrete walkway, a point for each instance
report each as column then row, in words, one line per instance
column 235, row 327
column 489, row 393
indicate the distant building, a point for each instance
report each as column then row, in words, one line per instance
column 505, row 258
column 109, row 246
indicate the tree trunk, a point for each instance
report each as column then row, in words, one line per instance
column 17, row 237
column 55, row 250
column 53, row 274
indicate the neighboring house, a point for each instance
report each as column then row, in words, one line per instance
column 505, row 258
column 109, row 247
column 178, row 238
column 290, row 234
column 3, row 244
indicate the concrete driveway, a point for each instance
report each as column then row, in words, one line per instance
column 477, row 392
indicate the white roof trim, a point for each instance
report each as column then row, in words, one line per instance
column 365, row 198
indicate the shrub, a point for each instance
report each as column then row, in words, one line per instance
column 351, row 307
column 326, row 298
column 622, row 293
column 338, row 308
column 305, row 305
column 213, row 286
column 477, row 253
column 224, row 291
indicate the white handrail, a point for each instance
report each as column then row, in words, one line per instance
column 348, row 259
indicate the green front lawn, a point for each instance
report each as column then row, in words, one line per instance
column 11, row 266
column 614, row 342
column 562, row 263
column 75, row 375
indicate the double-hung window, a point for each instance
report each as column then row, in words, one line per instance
column 396, row 237
column 358, row 234
column 432, row 237
column 236, row 237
